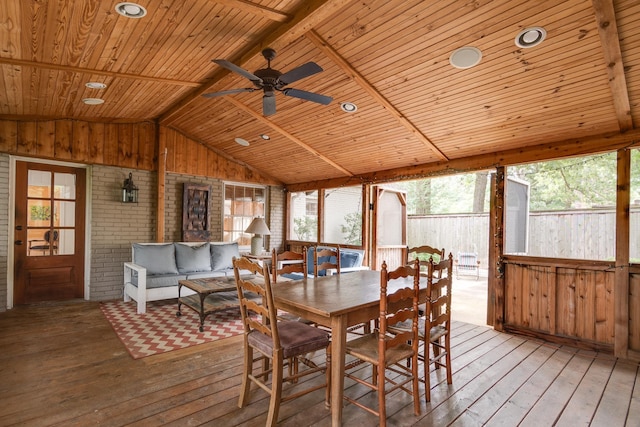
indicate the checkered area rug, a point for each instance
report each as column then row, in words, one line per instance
column 159, row 330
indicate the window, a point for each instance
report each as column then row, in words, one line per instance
column 303, row 224
column 342, row 216
column 241, row 204
column 634, row 226
column 562, row 208
column 51, row 201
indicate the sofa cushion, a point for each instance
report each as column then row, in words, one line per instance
column 157, row 259
column 349, row 259
column 190, row 258
column 222, row 255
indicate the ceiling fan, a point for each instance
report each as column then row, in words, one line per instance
column 270, row 81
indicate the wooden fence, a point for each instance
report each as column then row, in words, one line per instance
column 580, row 234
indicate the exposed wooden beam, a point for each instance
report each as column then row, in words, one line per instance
column 371, row 90
column 548, row 151
column 48, row 66
column 309, row 15
column 256, row 9
column 608, row 30
column 290, row 136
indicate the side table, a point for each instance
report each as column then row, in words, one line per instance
column 203, row 288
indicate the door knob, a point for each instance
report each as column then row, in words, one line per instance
column 18, row 242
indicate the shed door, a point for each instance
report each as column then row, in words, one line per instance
column 389, row 227
column 49, row 234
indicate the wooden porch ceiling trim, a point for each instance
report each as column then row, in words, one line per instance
column 608, row 30
column 542, row 152
column 286, row 134
column 371, row 90
column 256, row 9
column 49, row 66
column 310, row 14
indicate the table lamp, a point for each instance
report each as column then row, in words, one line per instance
column 259, row 228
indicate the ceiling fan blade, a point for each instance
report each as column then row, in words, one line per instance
column 308, row 96
column 268, row 105
column 233, row 67
column 228, row 92
column 298, row 73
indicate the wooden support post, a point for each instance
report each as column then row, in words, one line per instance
column 621, row 287
column 495, row 304
column 162, row 169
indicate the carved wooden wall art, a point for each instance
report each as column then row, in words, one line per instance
column 195, row 212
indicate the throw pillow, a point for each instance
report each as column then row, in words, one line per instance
column 157, row 259
column 190, row 258
column 222, row 255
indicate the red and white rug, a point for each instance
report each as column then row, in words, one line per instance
column 159, row 330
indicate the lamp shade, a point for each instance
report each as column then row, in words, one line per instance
column 258, row 226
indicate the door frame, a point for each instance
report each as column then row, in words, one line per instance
column 12, row 219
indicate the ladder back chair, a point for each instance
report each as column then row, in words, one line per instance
column 424, row 253
column 386, row 351
column 288, row 262
column 274, row 342
column 437, row 324
column 436, row 320
column 322, row 260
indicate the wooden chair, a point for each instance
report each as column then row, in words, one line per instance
column 424, row 253
column 386, row 351
column 49, row 242
column 288, row 262
column 274, row 341
column 322, row 260
column 467, row 263
column 438, row 322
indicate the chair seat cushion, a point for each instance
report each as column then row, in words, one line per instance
column 296, row 339
column 366, row 348
column 436, row 331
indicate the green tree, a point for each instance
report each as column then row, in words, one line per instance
column 305, row 227
column 353, row 229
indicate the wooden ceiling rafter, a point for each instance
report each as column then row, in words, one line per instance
column 286, row 134
column 255, row 9
column 309, row 15
column 608, row 31
column 350, row 71
column 81, row 70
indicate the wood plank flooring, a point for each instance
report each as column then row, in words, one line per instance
column 62, row 364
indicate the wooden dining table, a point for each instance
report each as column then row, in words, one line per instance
column 337, row 302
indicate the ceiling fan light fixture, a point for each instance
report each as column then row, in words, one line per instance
column 93, row 101
column 242, row 142
column 131, row 10
column 465, row 57
column 348, row 107
column 530, row 37
column 95, row 85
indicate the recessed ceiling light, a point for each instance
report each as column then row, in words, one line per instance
column 348, row 107
column 93, row 101
column 95, row 85
column 242, row 142
column 265, row 136
column 530, row 37
column 465, row 57
column 131, row 10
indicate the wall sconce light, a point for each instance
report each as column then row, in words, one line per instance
column 258, row 227
column 129, row 191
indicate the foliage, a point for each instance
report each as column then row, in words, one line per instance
column 40, row 213
column 305, row 227
column 353, row 229
column 582, row 182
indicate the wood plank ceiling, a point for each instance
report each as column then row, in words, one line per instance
column 390, row 58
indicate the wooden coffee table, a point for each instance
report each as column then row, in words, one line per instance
column 203, row 301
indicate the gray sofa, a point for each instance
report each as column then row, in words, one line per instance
column 155, row 268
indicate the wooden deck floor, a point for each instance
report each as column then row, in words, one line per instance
column 61, row 364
